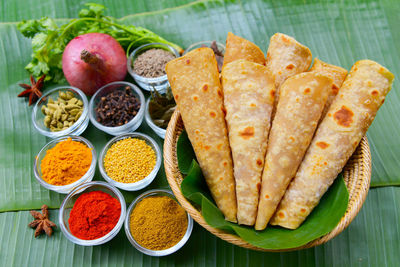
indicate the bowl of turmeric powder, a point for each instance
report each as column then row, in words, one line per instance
column 156, row 224
column 64, row 163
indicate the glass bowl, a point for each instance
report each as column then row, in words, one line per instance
column 64, row 189
column 159, row 83
column 76, row 129
column 69, row 201
column 168, row 251
column 139, row 184
column 158, row 130
column 133, row 124
column 220, row 46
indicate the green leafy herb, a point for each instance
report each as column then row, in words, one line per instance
column 49, row 39
column 161, row 107
column 321, row 221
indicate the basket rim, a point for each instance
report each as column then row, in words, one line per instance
column 358, row 189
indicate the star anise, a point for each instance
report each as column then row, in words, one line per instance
column 33, row 90
column 42, row 222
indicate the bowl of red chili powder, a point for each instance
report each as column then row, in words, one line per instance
column 92, row 214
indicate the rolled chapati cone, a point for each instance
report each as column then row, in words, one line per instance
column 240, row 48
column 286, row 57
column 300, row 106
column 337, row 74
column 195, row 84
column 248, row 97
column 335, row 140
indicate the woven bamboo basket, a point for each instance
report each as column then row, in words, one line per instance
column 356, row 174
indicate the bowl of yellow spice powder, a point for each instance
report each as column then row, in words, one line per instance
column 156, row 224
column 130, row 161
column 64, row 163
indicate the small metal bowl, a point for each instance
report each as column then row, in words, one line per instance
column 159, row 83
column 64, row 189
column 76, row 129
column 139, row 184
column 220, row 46
column 168, row 251
column 69, row 201
column 133, row 124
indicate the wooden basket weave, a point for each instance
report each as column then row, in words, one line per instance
column 356, row 174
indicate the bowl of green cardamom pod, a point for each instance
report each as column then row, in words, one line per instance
column 61, row 111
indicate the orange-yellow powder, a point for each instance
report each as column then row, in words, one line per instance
column 66, row 162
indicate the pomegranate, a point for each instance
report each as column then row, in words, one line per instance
column 92, row 60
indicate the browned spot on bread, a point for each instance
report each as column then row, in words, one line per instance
column 322, row 145
column 258, row 186
column 176, row 97
column 225, row 163
column 375, row 93
column 205, row 88
column 281, row 215
column 259, row 162
column 280, row 72
column 335, row 89
column 325, row 163
column 355, row 143
column 303, row 210
column 267, row 196
column 220, row 94
column 197, row 131
column 329, row 115
column 219, row 146
column 188, row 61
column 344, row 116
column 213, row 114
column 291, row 138
column 206, row 147
column 247, row 133
column 307, row 90
column 284, row 39
column 253, row 105
column 221, row 178
column 272, row 93
column 290, row 66
column 195, row 98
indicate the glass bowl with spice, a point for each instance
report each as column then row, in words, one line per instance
column 117, row 108
column 130, row 161
column 64, row 163
column 92, row 214
column 61, row 111
column 156, row 224
column 159, row 109
column 218, row 48
column 146, row 65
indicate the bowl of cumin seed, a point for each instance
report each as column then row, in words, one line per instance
column 146, row 64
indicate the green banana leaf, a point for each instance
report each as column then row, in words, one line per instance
column 339, row 32
column 371, row 240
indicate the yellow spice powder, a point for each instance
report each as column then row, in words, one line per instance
column 158, row 222
column 129, row 160
column 66, row 162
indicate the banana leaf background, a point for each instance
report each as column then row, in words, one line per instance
column 339, row 32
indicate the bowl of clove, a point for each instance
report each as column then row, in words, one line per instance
column 159, row 109
column 61, row 111
column 117, row 108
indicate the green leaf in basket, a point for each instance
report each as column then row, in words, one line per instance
column 321, row 221
column 185, row 152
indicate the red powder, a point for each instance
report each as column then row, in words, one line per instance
column 93, row 215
